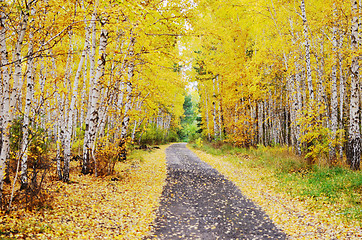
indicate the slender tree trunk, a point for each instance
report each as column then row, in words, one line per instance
column 137, row 122
column 28, row 102
column 6, row 101
column 207, row 116
column 260, row 123
column 334, row 97
column 297, row 107
column 341, row 99
column 214, row 110
column 219, row 109
column 128, row 100
column 84, row 91
column 94, row 108
column 69, row 127
column 354, row 139
column 321, row 95
column 86, row 144
column 296, row 89
column 102, row 120
column 66, row 108
column 134, row 130
column 307, row 51
column 17, row 83
column 59, row 112
column 222, row 113
column 254, row 115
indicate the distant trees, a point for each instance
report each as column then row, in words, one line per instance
column 188, row 121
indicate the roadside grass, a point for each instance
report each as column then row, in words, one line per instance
column 336, row 185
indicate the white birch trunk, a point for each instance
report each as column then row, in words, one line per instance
column 66, row 107
column 58, row 120
column 128, row 100
column 10, row 97
column 272, row 126
column 134, row 130
column 307, row 51
column 4, row 147
column 86, row 144
column 137, row 123
column 219, row 108
column 84, row 91
column 297, row 107
column 354, row 140
column 214, row 110
column 260, row 123
column 334, row 96
column 69, row 127
column 94, row 108
column 321, row 96
column 126, row 118
column 103, row 120
column 207, row 116
column 341, row 99
column 28, row 101
column 296, row 89
column 15, row 92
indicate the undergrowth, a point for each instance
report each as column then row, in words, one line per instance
column 335, row 185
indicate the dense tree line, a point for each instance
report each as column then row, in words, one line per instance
column 281, row 73
column 85, row 77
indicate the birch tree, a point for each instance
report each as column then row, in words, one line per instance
column 354, row 139
column 334, row 95
column 307, row 51
column 70, row 122
column 28, row 103
column 127, row 104
column 95, row 93
column 87, row 143
column 5, row 116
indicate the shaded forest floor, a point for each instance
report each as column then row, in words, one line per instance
column 121, row 206
column 300, row 217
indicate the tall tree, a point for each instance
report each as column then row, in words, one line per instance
column 354, row 133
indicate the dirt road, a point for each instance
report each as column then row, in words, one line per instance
column 199, row 203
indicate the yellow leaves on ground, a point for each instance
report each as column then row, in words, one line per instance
column 95, row 208
column 299, row 219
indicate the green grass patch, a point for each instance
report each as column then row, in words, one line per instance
column 335, row 185
column 136, row 155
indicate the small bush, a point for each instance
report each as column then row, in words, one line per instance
column 198, row 142
column 39, row 164
column 172, row 136
column 317, row 139
column 153, row 136
column 106, row 157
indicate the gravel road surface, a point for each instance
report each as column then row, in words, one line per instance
column 200, row 203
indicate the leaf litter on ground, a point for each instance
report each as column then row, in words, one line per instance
column 96, row 208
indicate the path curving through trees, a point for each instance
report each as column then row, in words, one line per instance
column 200, row 203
